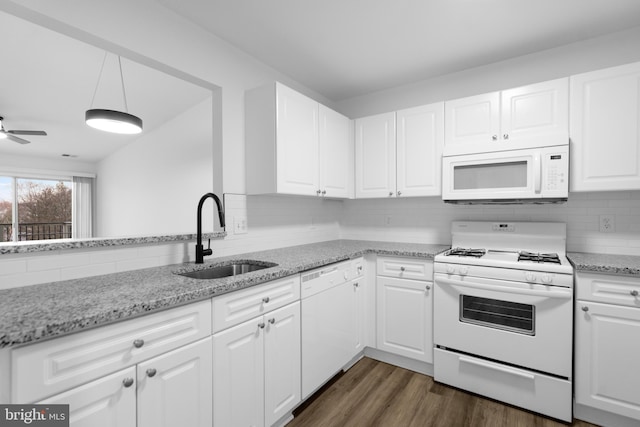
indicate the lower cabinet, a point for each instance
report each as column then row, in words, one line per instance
column 172, row 389
column 256, row 369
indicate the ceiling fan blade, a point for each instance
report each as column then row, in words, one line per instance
column 16, row 139
column 27, row 132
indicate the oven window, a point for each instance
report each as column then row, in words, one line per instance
column 493, row 313
column 490, row 175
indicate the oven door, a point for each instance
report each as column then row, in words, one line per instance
column 506, row 175
column 518, row 323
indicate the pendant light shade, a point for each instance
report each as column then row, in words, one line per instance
column 112, row 120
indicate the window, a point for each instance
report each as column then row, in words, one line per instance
column 35, row 209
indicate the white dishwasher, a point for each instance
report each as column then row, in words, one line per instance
column 330, row 321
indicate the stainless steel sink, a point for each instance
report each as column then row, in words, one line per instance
column 227, row 270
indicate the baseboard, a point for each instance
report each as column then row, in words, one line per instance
column 602, row 418
column 400, row 361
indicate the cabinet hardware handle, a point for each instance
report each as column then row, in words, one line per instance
column 265, row 299
column 151, row 372
column 127, row 382
column 356, row 284
column 318, row 192
column 402, row 268
column 261, row 325
column 634, row 293
column 359, row 268
column 324, row 192
column 494, row 138
column 505, row 136
column 428, row 287
column 585, row 308
column 138, row 343
column 272, row 320
column 399, row 193
column 390, row 193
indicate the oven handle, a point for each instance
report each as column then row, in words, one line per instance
column 537, row 170
column 495, row 367
column 532, row 292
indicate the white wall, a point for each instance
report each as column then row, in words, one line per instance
column 152, row 185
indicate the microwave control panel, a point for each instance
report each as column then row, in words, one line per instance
column 555, row 172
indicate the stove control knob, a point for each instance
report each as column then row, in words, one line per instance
column 547, row 278
column 464, row 270
column 529, row 276
column 450, row 269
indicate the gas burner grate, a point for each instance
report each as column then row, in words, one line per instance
column 475, row 253
column 538, row 257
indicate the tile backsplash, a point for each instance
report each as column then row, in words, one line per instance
column 278, row 221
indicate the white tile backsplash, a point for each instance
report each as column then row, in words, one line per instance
column 279, row 221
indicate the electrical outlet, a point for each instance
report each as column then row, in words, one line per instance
column 239, row 225
column 607, row 223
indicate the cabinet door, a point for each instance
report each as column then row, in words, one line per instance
column 336, row 154
column 605, row 129
column 297, row 142
column 105, row 402
column 472, row 123
column 176, row 388
column 420, row 138
column 238, row 375
column 404, row 317
column 376, row 156
column 607, row 351
column 282, row 362
column 536, row 114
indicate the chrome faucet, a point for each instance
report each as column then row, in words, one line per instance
column 200, row 251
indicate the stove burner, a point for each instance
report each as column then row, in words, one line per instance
column 476, row 253
column 538, row 257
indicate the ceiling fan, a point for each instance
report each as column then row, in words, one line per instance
column 11, row 134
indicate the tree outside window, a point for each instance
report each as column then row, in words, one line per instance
column 43, row 207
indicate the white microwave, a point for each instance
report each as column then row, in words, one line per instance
column 534, row 175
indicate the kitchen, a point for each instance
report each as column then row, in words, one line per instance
column 296, row 220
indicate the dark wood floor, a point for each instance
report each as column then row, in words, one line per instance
column 374, row 393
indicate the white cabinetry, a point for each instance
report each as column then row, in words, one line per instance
column 605, row 129
column 524, row 117
column 172, row 389
column 399, row 162
column 257, row 362
column 294, row 145
column 405, row 307
column 607, row 347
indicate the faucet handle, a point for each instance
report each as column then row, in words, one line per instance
column 208, row 251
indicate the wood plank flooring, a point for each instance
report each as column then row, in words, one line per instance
column 374, row 393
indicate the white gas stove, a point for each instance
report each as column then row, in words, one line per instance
column 503, row 318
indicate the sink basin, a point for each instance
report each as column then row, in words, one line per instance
column 227, row 270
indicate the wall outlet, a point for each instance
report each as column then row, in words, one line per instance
column 607, row 223
column 240, row 225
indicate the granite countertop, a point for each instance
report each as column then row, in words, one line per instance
column 38, row 312
column 628, row 265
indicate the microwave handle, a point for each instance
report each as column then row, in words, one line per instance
column 537, row 172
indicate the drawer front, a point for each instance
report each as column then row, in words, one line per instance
column 43, row 369
column 236, row 307
column 620, row 290
column 405, row 268
column 531, row 390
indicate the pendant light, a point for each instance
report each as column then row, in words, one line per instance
column 112, row 120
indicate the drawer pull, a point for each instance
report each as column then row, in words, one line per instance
column 265, row 300
column 634, row 293
column 585, row 308
column 272, row 320
column 127, row 382
column 151, row 372
column 428, row 287
column 138, row 343
column 402, row 268
column 261, row 325
column 356, row 284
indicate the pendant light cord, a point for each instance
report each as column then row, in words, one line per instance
column 124, row 95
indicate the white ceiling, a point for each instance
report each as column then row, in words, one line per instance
column 345, row 48
column 47, row 81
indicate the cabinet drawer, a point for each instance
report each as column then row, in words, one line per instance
column 621, row 290
column 236, row 307
column 405, row 268
column 49, row 367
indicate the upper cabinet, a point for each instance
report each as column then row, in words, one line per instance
column 524, row 117
column 605, row 131
column 399, row 154
column 294, row 145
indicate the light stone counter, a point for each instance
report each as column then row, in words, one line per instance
column 628, row 265
column 43, row 311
